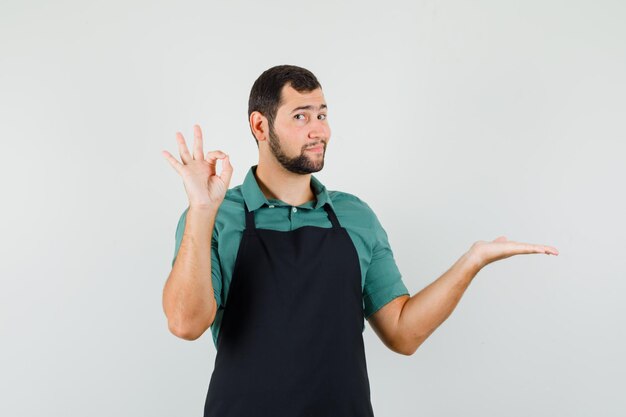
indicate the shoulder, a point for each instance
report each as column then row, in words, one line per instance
column 233, row 198
column 350, row 205
column 230, row 214
column 348, row 199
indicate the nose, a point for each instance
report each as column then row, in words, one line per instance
column 319, row 130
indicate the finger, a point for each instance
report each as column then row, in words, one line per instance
column 185, row 156
column 213, row 156
column 173, row 161
column 197, row 142
column 531, row 248
column 550, row 250
column 227, row 170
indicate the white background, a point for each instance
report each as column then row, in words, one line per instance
column 456, row 121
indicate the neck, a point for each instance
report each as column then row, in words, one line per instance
column 278, row 183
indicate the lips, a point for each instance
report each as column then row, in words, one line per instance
column 316, row 149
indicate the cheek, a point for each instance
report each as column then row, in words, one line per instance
column 292, row 139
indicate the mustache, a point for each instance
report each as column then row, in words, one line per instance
column 316, row 145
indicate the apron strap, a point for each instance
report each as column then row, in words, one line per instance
column 250, row 227
column 332, row 216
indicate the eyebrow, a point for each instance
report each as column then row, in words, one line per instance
column 309, row 107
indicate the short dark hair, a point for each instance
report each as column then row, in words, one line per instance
column 265, row 95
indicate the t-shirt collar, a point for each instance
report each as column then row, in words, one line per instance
column 254, row 197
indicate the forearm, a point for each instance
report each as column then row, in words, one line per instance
column 426, row 310
column 188, row 299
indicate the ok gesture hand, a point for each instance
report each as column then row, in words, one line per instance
column 205, row 189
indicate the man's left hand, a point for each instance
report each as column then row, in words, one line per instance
column 485, row 253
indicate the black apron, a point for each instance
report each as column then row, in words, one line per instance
column 290, row 343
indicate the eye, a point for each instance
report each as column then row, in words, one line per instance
column 323, row 116
column 296, row 116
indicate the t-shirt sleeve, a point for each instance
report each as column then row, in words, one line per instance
column 216, row 268
column 383, row 281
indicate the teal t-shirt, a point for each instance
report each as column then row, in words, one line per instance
column 381, row 280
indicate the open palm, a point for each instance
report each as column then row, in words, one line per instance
column 501, row 248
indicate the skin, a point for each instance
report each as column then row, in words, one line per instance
column 293, row 133
column 284, row 172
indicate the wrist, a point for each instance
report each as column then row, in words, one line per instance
column 474, row 260
column 204, row 209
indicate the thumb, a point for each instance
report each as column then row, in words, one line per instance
column 500, row 239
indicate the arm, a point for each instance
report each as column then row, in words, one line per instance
column 405, row 323
column 188, row 309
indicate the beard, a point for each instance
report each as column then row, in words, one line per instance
column 300, row 164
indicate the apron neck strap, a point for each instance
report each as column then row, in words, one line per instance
column 332, row 216
column 249, row 219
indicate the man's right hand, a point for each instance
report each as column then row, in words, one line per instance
column 205, row 189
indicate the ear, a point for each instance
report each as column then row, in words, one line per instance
column 259, row 126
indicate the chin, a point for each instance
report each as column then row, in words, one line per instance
column 317, row 166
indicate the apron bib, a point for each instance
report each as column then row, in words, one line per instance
column 290, row 343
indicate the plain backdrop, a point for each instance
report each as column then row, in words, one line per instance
column 455, row 121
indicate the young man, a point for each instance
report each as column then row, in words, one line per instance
column 295, row 269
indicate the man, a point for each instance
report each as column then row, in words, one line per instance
column 295, row 269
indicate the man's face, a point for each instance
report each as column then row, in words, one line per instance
column 300, row 133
